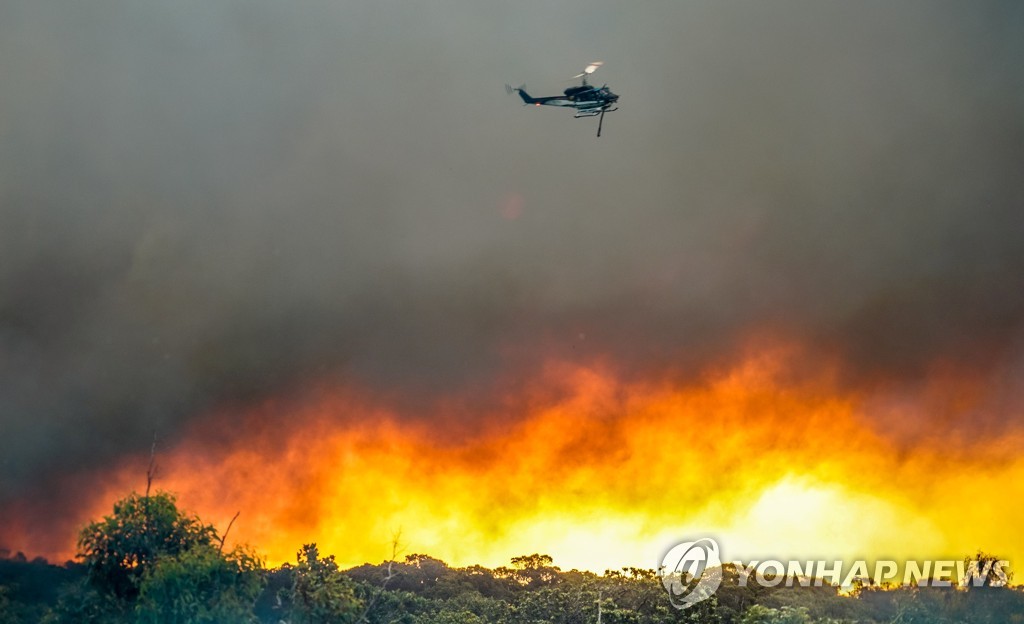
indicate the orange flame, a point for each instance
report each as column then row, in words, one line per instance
column 600, row 473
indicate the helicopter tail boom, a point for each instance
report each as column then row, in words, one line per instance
column 554, row 100
column 526, row 96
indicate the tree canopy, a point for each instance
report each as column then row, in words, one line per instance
column 148, row 562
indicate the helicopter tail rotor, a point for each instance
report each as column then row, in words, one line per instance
column 521, row 90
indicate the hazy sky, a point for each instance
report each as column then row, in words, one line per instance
column 209, row 202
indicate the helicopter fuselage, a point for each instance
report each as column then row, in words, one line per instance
column 584, row 97
column 588, row 100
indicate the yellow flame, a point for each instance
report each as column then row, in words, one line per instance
column 601, row 473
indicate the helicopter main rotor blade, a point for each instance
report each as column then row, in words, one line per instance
column 600, row 121
column 590, row 69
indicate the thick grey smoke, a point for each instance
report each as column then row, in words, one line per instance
column 212, row 202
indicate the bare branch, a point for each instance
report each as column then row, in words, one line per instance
column 395, row 551
column 228, row 530
column 151, row 470
column 150, row 474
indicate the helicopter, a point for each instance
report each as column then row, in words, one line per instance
column 588, row 100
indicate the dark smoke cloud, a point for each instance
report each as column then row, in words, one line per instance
column 205, row 203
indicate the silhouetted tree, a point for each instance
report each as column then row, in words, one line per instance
column 532, row 571
column 985, row 567
column 148, row 562
column 320, row 592
column 120, row 549
column 201, row 586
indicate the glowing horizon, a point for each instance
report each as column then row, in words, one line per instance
column 597, row 472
